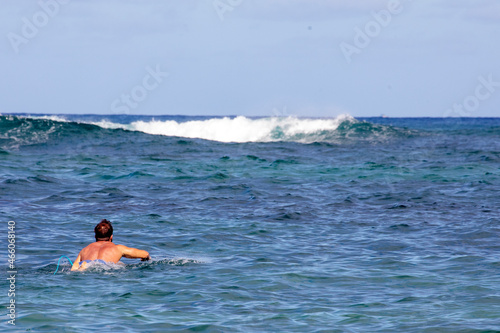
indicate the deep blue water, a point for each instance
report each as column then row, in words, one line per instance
column 255, row 225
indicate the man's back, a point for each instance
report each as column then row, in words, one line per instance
column 106, row 251
column 103, row 248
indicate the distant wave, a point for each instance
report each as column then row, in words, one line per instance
column 18, row 131
column 239, row 129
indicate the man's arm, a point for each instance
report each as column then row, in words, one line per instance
column 76, row 263
column 131, row 253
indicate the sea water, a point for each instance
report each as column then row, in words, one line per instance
column 254, row 224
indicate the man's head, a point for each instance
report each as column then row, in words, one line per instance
column 103, row 231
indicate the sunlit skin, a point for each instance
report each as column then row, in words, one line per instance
column 104, row 249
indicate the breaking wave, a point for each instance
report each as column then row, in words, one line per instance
column 241, row 129
column 27, row 130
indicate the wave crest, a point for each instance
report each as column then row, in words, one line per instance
column 16, row 131
column 243, row 129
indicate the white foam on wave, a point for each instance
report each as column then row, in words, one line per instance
column 227, row 129
column 110, row 125
column 238, row 129
column 49, row 117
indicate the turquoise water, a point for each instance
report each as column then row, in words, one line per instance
column 343, row 225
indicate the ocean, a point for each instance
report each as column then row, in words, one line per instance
column 270, row 224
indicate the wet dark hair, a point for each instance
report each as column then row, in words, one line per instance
column 103, row 231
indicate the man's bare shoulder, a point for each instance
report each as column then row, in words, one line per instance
column 90, row 247
column 99, row 245
column 101, row 250
column 130, row 252
column 123, row 249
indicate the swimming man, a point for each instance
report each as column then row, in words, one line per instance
column 103, row 249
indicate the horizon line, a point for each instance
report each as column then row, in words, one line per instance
column 247, row 116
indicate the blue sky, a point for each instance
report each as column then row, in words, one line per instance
column 251, row 57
